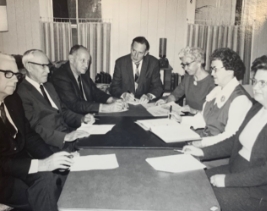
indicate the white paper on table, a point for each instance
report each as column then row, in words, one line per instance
column 111, row 111
column 175, row 133
column 94, row 162
column 148, row 124
column 95, row 129
column 163, row 110
column 137, row 102
column 175, row 163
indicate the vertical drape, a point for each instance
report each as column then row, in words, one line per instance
column 57, row 40
column 96, row 37
column 209, row 38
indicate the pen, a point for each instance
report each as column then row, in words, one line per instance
column 170, row 114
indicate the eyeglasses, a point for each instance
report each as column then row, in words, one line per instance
column 9, row 74
column 186, row 64
column 49, row 65
column 215, row 69
column 262, row 83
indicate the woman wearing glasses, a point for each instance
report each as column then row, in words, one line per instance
column 226, row 105
column 242, row 184
column 197, row 83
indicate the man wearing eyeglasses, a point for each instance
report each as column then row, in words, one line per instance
column 136, row 75
column 50, row 118
column 26, row 162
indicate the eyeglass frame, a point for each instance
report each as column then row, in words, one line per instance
column 216, row 68
column 49, row 65
column 186, row 64
column 18, row 75
column 255, row 82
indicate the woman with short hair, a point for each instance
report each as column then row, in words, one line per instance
column 226, row 105
column 242, row 184
column 196, row 84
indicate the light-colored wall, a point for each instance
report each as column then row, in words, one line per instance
column 153, row 19
column 23, row 27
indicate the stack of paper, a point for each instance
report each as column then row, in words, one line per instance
column 163, row 110
column 95, row 129
column 175, row 163
column 94, row 162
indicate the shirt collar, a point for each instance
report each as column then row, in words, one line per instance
column 32, row 82
column 222, row 95
column 140, row 64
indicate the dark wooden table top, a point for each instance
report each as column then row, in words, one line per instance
column 135, row 185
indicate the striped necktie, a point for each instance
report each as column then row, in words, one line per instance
column 44, row 94
column 137, row 74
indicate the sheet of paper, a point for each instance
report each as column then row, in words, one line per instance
column 175, row 163
column 96, row 129
column 137, row 102
column 175, row 133
column 109, row 111
column 150, row 123
column 163, row 110
column 94, row 162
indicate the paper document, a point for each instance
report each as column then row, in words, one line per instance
column 136, row 102
column 150, row 123
column 163, row 110
column 175, row 133
column 95, row 129
column 112, row 111
column 175, row 163
column 94, row 162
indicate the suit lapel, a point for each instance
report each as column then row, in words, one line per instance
column 130, row 74
column 51, row 92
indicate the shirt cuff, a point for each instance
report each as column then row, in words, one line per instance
column 151, row 96
column 34, row 166
column 100, row 108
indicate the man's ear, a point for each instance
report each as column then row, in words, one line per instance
column 71, row 58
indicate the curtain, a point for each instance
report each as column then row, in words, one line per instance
column 96, row 37
column 57, row 40
column 209, row 38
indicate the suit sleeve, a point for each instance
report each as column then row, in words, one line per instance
column 34, row 146
column 156, row 87
column 66, row 91
column 116, row 84
column 179, row 91
column 98, row 95
column 51, row 137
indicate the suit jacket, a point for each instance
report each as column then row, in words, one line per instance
column 14, row 153
column 51, row 124
column 69, row 92
column 149, row 80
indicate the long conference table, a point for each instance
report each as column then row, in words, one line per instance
column 135, row 185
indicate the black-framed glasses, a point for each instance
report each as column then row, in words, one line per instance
column 215, row 69
column 186, row 64
column 261, row 83
column 9, row 74
column 49, row 65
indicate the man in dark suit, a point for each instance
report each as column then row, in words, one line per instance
column 26, row 162
column 77, row 90
column 50, row 118
column 137, row 74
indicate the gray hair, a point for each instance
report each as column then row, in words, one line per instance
column 197, row 54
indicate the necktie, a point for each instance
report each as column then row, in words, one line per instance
column 137, row 74
column 44, row 94
column 9, row 127
column 80, row 86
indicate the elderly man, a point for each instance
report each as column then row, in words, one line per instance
column 136, row 75
column 26, row 162
column 50, row 118
column 77, row 90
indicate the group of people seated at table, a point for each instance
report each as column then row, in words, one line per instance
column 39, row 119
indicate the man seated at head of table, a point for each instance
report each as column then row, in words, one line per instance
column 27, row 177
column 136, row 75
column 242, row 184
column 197, row 82
column 50, row 118
column 226, row 105
column 77, row 90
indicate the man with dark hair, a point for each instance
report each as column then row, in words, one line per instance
column 48, row 116
column 136, row 75
column 27, row 164
column 77, row 90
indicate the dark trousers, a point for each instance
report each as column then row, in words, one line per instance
column 235, row 198
column 38, row 192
